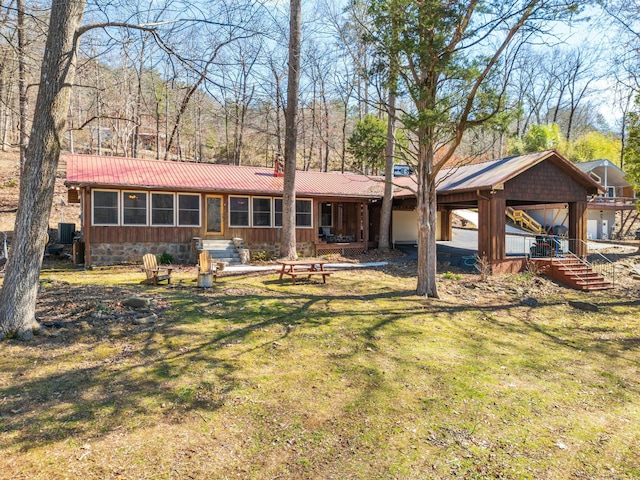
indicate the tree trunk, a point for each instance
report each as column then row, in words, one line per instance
column 427, row 197
column 288, row 240
column 387, row 200
column 18, row 296
column 427, row 259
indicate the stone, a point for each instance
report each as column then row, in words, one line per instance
column 153, row 318
column 136, row 302
column 529, row 302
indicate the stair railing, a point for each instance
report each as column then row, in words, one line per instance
column 599, row 263
column 525, row 221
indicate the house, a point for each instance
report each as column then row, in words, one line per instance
column 608, row 213
column 134, row 206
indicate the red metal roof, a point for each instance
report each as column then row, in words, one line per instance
column 493, row 174
column 95, row 170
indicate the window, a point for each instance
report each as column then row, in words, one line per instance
column 261, row 212
column 326, row 215
column 105, row 207
column 239, row 211
column 134, row 208
column 303, row 213
column 188, row 210
column 277, row 212
column 162, row 209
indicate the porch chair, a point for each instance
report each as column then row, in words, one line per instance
column 207, row 269
column 151, row 269
column 326, row 234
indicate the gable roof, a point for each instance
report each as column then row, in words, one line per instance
column 107, row 171
column 492, row 175
column 615, row 175
column 95, row 171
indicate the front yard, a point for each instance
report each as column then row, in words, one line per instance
column 355, row 379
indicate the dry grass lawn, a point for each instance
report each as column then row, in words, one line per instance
column 357, row 379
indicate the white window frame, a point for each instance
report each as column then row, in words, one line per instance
column 249, row 213
column 122, row 207
column 274, row 212
column 310, row 213
column 175, row 209
column 93, row 207
column 251, row 207
column 178, row 195
column 310, row 200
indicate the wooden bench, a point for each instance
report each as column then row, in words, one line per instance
column 308, row 273
column 151, row 269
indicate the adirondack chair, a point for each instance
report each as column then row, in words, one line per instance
column 207, row 269
column 151, row 269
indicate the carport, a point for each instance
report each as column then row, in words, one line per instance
column 533, row 179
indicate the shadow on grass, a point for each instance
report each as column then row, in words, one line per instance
column 105, row 373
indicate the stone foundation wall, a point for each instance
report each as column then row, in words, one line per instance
column 118, row 253
column 272, row 251
column 183, row 253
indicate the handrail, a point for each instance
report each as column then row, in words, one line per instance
column 613, row 200
column 526, row 221
column 601, row 264
column 562, row 247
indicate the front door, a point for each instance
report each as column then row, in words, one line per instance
column 214, row 215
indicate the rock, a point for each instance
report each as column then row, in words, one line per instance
column 153, row 318
column 584, row 306
column 136, row 302
column 529, row 302
column 84, row 325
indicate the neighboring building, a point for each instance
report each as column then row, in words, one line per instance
column 609, row 213
column 134, row 206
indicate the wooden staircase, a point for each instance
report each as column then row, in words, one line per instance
column 574, row 273
column 519, row 217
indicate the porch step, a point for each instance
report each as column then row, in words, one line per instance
column 578, row 275
column 221, row 251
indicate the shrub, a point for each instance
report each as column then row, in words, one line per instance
column 165, row 258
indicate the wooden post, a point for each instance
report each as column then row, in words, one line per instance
column 491, row 227
column 86, row 225
column 445, row 224
column 578, row 227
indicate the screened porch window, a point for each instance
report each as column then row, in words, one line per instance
column 261, row 212
column 105, row 207
column 134, row 208
column 303, row 213
column 162, row 209
column 239, row 211
column 188, row 210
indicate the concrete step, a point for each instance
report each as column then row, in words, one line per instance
column 221, row 251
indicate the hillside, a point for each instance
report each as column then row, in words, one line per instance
column 10, row 192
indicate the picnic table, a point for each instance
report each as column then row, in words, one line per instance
column 308, row 267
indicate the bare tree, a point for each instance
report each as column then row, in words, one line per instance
column 288, row 240
column 18, row 295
